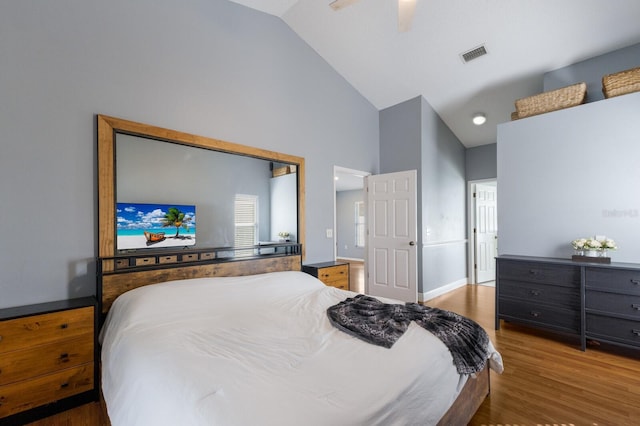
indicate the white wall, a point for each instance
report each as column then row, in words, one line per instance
column 208, row 67
column 569, row 174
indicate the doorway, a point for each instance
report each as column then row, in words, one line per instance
column 348, row 192
column 482, row 230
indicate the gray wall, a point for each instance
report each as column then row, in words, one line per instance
column 444, row 252
column 592, row 70
column 413, row 136
column 569, row 174
column 481, row 162
column 345, row 224
column 400, row 150
column 208, row 67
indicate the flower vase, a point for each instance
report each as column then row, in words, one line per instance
column 591, row 253
column 603, row 253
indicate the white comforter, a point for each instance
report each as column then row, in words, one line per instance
column 259, row 350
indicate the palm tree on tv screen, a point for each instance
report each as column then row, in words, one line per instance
column 174, row 217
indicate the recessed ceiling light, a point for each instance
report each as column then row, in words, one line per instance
column 479, row 119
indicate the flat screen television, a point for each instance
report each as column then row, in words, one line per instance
column 141, row 225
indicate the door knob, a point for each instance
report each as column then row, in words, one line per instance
column 412, row 243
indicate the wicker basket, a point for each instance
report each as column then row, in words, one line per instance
column 621, row 83
column 553, row 100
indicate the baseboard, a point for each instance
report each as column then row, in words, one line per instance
column 353, row 259
column 442, row 290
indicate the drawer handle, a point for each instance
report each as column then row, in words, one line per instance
column 534, row 292
column 64, row 385
column 64, row 357
column 535, row 314
column 63, row 326
column 533, row 272
column 635, row 306
column 636, row 332
column 635, row 282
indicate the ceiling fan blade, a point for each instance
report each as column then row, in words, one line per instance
column 340, row 4
column 406, row 9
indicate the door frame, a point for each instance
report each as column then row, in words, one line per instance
column 471, row 223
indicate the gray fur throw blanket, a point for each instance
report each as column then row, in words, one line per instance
column 382, row 324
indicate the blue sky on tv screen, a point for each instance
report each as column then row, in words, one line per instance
column 133, row 218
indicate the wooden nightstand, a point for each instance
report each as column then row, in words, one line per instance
column 47, row 359
column 335, row 274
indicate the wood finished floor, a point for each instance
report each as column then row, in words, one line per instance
column 547, row 380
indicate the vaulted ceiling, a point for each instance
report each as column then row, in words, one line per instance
column 523, row 38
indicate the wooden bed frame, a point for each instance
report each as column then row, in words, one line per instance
column 121, row 272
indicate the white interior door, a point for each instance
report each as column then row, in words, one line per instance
column 486, row 232
column 392, row 267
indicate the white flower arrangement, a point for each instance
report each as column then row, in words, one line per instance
column 594, row 243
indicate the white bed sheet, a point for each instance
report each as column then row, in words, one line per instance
column 260, row 350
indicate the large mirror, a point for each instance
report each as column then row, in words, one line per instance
column 219, row 186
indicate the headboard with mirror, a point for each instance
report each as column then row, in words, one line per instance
column 146, row 171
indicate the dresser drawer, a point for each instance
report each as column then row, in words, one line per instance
column 43, row 359
column 24, row 395
column 532, row 313
column 539, row 273
column 142, row 261
column 208, row 256
column 619, row 280
column 22, row 333
column 190, row 257
column 540, row 293
column 614, row 303
column 618, row 329
column 168, row 259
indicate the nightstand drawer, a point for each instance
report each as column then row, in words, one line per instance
column 190, row 257
column 333, row 274
column 21, row 333
column 43, row 359
column 24, row 395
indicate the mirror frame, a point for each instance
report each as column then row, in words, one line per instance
column 109, row 127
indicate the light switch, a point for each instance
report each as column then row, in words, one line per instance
column 329, row 233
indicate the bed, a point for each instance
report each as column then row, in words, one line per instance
column 259, row 349
column 211, row 335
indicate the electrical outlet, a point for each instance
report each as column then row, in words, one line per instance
column 329, row 233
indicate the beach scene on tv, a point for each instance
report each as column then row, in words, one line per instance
column 154, row 225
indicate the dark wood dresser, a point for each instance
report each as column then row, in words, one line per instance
column 599, row 302
column 47, row 359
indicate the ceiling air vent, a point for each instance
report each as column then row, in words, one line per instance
column 474, row 53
